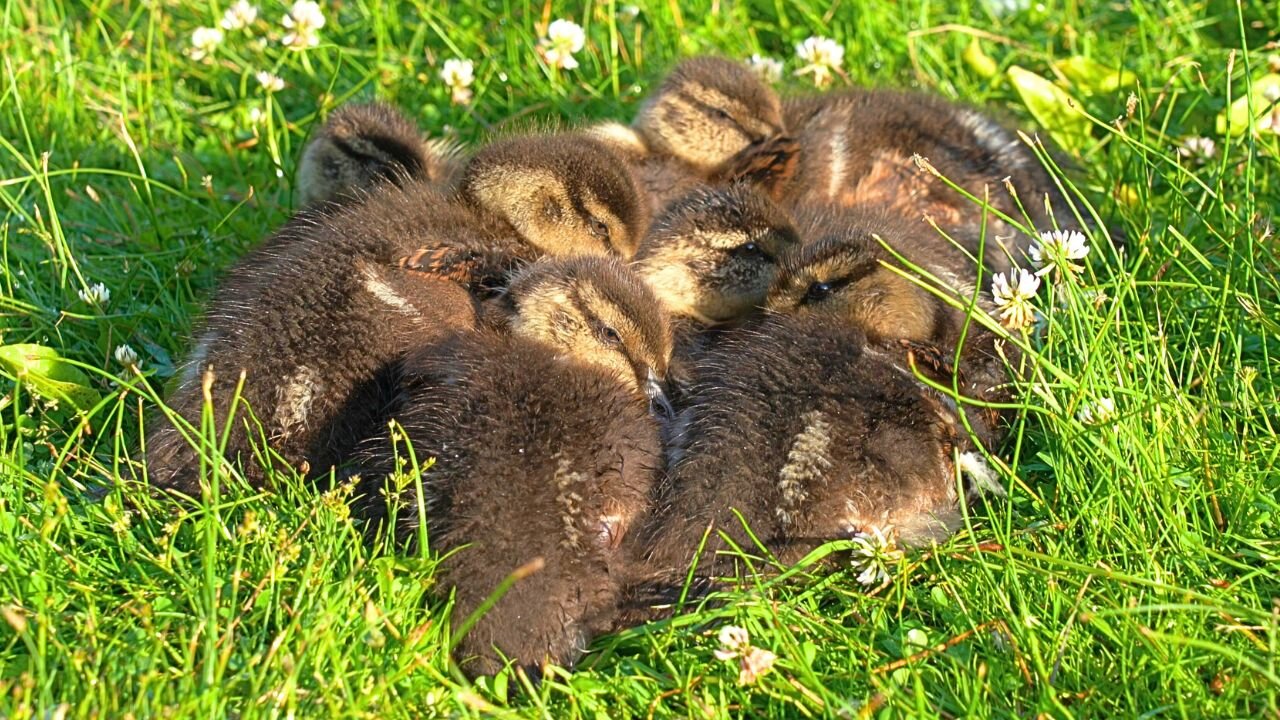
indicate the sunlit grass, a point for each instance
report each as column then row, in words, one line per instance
column 1133, row 569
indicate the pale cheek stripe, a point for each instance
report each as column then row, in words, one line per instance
column 384, row 293
column 835, row 182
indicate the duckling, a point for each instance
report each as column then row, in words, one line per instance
column 363, row 145
column 545, row 454
column 811, row 435
column 858, row 150
column 711, row 120
column 845, row 273
column 315, row 319
column 712, row 254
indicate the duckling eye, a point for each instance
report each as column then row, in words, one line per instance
column 749, row 249
column 817, row 292
column 599, row 228
column 610, row 336
column 720, row 114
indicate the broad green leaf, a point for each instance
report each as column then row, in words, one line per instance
column 1053, row 108
column 1264, row 93
column 46, row 373
column 1092, row 76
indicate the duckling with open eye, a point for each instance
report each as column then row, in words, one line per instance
column 811, row 435
column 711, row 120
column 545, row 452
column 315, row 319
column 858, row 150
column 362, row 146
column 846, row 274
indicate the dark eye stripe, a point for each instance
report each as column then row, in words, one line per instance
column 710, row 111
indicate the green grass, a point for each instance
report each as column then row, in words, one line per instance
column 1133, row 569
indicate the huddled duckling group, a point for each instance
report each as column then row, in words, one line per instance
column 625, row 345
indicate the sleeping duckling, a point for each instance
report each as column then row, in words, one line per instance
column 711, row 255
column 545, row 453
column 363, row 145
column 845, row 273
column 858, row 150
column 711, row 120
column 811, row 435
column 315, row 319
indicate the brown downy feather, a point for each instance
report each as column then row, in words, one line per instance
column 318, row 314
column 545, row 453
column 810, row 435
column 858, row 149
column 362, row 146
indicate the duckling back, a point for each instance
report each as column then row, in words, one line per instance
column 810, row 435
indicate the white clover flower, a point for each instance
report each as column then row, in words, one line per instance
column 239, row 16
column 303, row 23
column 629, row 12
column 126, row 356
column 564, row 38
column 256, row 116
column 733, row 640
column 458, row 75
column 96, row 294
column 1060, row 249
column 270, row 82
column 753, row 662
column 769, row 69
column 1013, row 297
column 1097, row 413
column 203, row 42
column 1200, row 149
column 821, row 57
column 874, row 555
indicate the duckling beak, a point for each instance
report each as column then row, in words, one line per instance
column 659, row 405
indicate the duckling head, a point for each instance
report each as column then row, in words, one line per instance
column 359, row 146
column 712, row 255
column 843, row 274
column 564, row 194
column 707, row 110
column 599, row 313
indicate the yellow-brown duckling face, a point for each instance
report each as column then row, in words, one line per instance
column 708, row 110
column 842, row 275
column 598, row 312
column 564, row 194
column 713, row 254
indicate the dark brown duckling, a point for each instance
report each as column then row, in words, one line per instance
column 362, row 146
column 844, row 273
column 315, row 317
column 858, row 148
column 811, row 435
column 545, row 454
column 711, row 120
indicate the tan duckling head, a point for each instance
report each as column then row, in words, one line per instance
column 599, row 313
column 564, row 194
column 841, row 272
column 713, row 254
column 707, row 110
